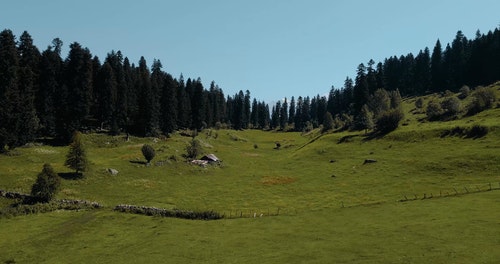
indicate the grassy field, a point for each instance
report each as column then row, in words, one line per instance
column 332, row 208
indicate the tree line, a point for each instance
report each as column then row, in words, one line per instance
column 42, row 94
column 471, row 62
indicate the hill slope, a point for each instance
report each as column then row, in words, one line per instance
column 354, row 216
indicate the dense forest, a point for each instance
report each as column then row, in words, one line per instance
column 44, row 95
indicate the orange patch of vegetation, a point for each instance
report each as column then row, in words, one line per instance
column 268, row 180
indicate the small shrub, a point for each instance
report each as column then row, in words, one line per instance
column 389, row 121
column 308, row 127
column 347, row 121
column 484, row 98
column 434, row 110
column 464, row 92
column 193, row 149
column 451, row 106
column 448, row 93
column 148, row 152
column 419, row 103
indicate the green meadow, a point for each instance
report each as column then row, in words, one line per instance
column 428, row 198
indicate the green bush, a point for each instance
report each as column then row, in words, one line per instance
column 484, row 98
column 389, row 121
column 193, row 149
column 419, row 103
column 464, row 92
column 46, row 186
column 148, row 152
column 328, row 122
column 434, row 110
column 451, row 106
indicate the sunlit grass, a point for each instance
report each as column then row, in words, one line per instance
column 332, row 207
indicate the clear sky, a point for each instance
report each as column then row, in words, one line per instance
column 274, row 48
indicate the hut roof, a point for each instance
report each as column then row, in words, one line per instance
column 210, row 157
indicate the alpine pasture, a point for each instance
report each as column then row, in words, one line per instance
column 429, row 198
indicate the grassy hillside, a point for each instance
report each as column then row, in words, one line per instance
column 332, row 208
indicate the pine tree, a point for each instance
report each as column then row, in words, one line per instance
column 254, row 116
column 283, row 116
column 120, row 107
column 321, row 108
column 28, row 84
column 46, row 186
column 74, row 97
column 147, row 117
column 10, row 101
column 51, row 66
column 246, row 110
column 106, row 93
column 168, row 105
column 184, row 118
column 132, row 105
column 76, row 158
column 371, row 77
column 197, row 104
column 361, row 91
column 422, row 75
column 291, row 111
column 437, row 68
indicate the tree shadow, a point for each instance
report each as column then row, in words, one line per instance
column 375, row 135
column 71, row 175
column 52, row 142
column 138, row 162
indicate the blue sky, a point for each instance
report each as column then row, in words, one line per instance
column 274, row 48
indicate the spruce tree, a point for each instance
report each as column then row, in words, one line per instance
column 50, row 82
column 168, row 105
column 361, row 91
column 283, row 116
column 291, row 111
column 254, row 116
column 197, row 104
column 46, row 186
column 74, row 97
column 184, row 117
column 76, row 158
column 10, row 101
column 437, row 68
column 106, row 93
column 29, row 59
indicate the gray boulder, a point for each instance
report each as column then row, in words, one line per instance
column 112, row 171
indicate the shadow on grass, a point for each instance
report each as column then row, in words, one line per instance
column 52, row 142
column 138, row 162
column 71, row 175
